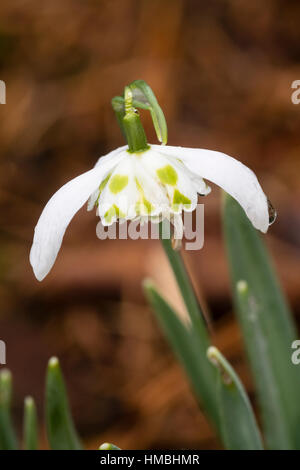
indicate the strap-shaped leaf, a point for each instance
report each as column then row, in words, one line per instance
column 190, row 348
column 30, row 430
column 8, row 440
column 239, row 430
column 60, row 428
column 267, row 327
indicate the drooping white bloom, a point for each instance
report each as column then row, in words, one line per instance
column 157, row 183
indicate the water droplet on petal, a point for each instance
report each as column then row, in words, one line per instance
column 272, row 213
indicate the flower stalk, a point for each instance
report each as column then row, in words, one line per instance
column 134, row 131
column 185, row 285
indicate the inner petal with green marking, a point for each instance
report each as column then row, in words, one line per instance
column 179, row 198
column 143, row 206
column 117, row 183
column 113, row 212
column 167, row 175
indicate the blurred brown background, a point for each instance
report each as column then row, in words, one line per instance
column 222, row 71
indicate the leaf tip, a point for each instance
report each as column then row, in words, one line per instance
column 148, row 284
column 108, row 446
column 5, row 376
column 29, row 402
column 53, row 362
column 242, row 287
column 217, row 360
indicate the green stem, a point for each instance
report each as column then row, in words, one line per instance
column 134, row 131
column 185, row 285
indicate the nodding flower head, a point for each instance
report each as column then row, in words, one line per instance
column 144, row 182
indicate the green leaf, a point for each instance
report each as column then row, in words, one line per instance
column 108, row 446
column 144, row 98
column 30, row 431
column 239, row 430
column 190, row 349
column 267, row 327
column 60, row 428
column 8, row 440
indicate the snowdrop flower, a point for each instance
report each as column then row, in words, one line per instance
column 142, row 181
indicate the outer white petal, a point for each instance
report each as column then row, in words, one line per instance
column 231, row 175
column 59, row 211
column 94, row 196
column 111, row 154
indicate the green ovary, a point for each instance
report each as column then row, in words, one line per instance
column 114, row 211
column 180, row 198
column 167, row 175
column 118, row 183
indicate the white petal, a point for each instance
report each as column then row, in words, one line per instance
column 95, row 195
column 59, row 211
column 122, row 203
column 111, row 154
column 231, row 175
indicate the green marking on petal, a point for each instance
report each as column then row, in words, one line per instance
column 104, row 182
column 138, row 185
column 118, row 183
column 112, row 212
column 180, row 198
column 143, row 207
column 101, row 188
column 167, row 175
column 148, row 206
